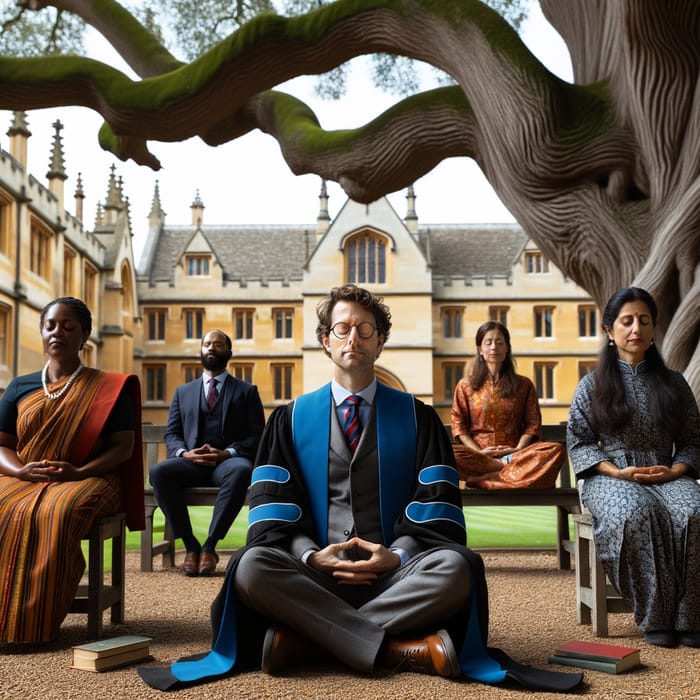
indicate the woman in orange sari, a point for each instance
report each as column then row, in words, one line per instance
column 496, row 418
column 69, row 453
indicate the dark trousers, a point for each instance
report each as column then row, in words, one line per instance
column 171, row 476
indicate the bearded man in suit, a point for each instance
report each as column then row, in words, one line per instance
column 214, row 427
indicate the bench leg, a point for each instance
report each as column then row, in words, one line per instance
column 583, row 577
column 147, row 541
column 563, row 556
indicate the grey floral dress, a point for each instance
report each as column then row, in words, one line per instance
column 647, row 536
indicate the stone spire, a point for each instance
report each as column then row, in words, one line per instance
column 57, row 169
column 113, row 202
column 79, row 198
column 411, row 219
column 156, row 216
column 323, row 220
column 99, row 215
column 19, row 134
column 197, row 210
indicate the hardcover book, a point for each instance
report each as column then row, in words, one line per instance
column 609, row 658
column 110, row 653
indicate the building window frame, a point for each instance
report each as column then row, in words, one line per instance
column 155, row 324
column 283, row 319
column 243, row 371
column 500, row 314
column 90, row 277
column 586, row 367
column 40, row 251
column 536, row 263
column 191, row 371
column 544, row 322
column 452, row 322
column 452, row 372
column 243, row 326
column 544, row 373
column 154, row 375
column 198, row 265
column 282, row 380
column 193, row 319
column 5, row 318
column 587, row 321
column 366, row 258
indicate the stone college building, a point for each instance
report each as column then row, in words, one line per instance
column 260, row 284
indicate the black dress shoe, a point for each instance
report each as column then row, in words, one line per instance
column 190, row 566
column 434, row 654
column 661, row 638
column 689, row 639
column 207, row 563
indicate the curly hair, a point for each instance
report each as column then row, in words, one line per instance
column 363, row 297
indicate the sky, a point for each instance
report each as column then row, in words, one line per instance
column 247, row 181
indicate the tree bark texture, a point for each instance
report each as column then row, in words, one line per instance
column 602, row 173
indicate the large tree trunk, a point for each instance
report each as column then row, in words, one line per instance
column 602, row 174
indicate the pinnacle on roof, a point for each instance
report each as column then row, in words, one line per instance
column 323, row 203
column 114, row 194
column 79, row 192
column 19, row 124
column 197, row 201
column 156, row 208
column 57, row 168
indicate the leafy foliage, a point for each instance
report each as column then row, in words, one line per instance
column 45, row 33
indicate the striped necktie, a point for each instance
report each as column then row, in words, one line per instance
column 351, row 421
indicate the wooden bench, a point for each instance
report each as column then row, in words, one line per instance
column 564, row 497
column 153, row 438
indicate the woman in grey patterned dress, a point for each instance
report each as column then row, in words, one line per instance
column 634, row 440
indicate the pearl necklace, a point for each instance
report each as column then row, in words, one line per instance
column 57, row 394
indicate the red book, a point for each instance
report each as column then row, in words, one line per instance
column 622, row 657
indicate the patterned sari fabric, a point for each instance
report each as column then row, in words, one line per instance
column 41, row 524
column 492, row 419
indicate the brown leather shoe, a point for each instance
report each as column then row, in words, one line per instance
column 191, row 565
column 207, row 563
column 434, row 654
column 285, row 650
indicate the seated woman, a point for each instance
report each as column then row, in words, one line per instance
column 496, row 418
column 634, row 440
column 70, row 452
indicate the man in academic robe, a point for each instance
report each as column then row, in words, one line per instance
column 356, row 542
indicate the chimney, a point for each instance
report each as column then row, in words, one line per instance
column 19, row 134
column 197, row 210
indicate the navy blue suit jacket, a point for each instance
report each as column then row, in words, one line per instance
column 242, row 417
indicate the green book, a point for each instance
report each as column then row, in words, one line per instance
column 111, row 646
column 591, row 664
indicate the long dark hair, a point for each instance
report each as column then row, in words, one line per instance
column 610, row 410
column 507, row 381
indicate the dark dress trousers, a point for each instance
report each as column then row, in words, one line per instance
column 236, row 421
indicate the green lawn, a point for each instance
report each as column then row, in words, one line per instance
column 488, row 526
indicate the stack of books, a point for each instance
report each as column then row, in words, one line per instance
column 608, row 658
column 110, row 653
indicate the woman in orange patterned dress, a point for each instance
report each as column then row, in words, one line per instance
column 496, row 418
column 69, row 452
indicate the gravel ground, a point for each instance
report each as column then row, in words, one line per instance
column 532, row 610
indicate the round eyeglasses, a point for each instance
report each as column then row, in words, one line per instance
column 364, row 330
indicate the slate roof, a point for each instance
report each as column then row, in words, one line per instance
column 279, row 252
column 244, row 252
column 473, row 250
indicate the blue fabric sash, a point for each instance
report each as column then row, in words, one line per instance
column 396, row 447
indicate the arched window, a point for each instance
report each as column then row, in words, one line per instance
column 365, row 254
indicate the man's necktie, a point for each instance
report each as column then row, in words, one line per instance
column 212, row 394
column 351, row 421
